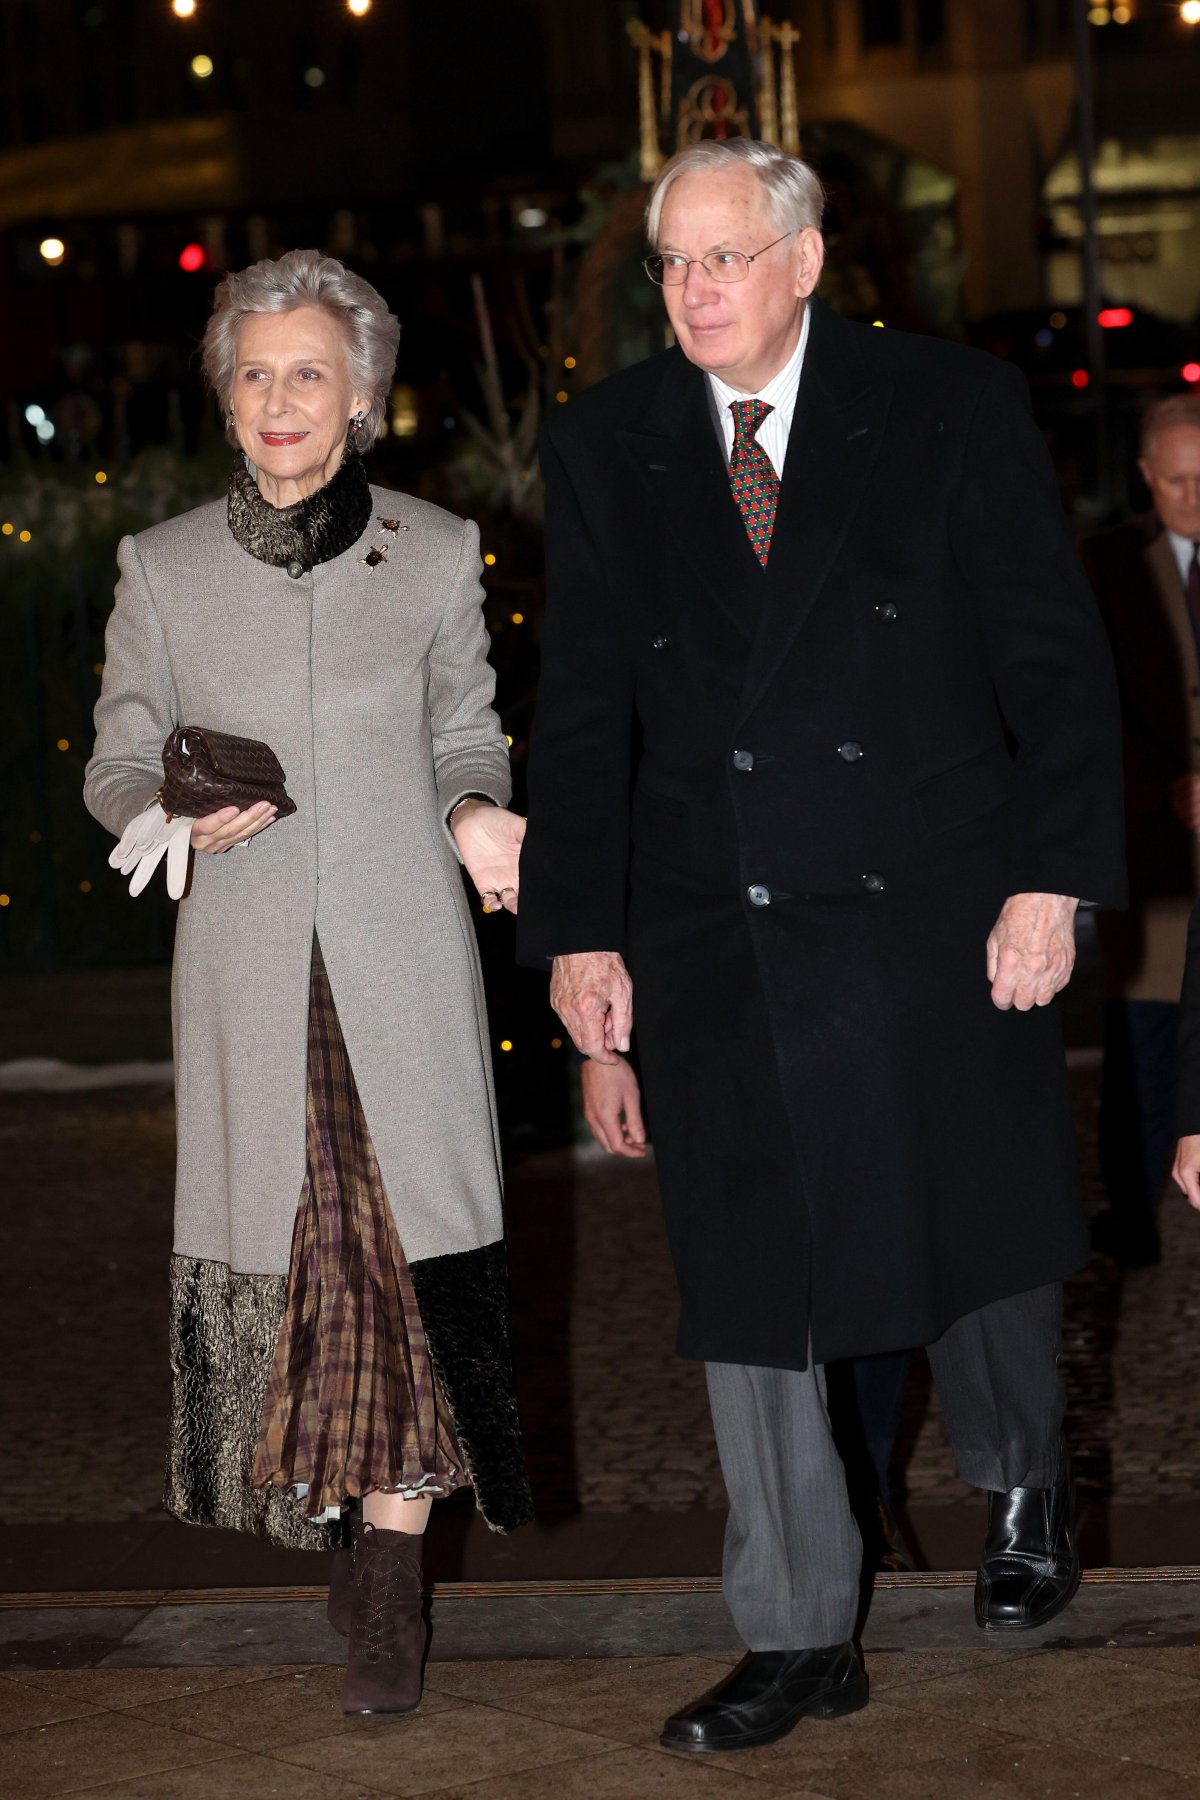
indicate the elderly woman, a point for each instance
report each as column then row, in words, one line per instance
column 339, row 1324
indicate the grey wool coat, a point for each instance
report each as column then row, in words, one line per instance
column 371, row 684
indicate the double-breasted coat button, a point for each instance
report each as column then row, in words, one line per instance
column 873, row 881
column 758, row 895
column 850, row 751
column 888, row 611
column 743, row 759
column 295, row 570
column 660, row 643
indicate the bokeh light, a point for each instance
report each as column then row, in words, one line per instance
column 202, row 67
column 52, row 251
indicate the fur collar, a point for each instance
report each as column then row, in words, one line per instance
column 310, row 531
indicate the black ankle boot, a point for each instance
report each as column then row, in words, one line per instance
column 1029, row 1569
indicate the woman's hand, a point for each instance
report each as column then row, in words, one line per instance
column 1187, row 1168
column 489, row 842
column 220, row 830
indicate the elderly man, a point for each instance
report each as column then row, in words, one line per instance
column 1146, row 576
column 803, row 574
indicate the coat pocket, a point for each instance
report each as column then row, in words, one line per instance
column 967, row 791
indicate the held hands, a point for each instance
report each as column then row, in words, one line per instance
column 489, row 841
column 612, row 1106
column 593, row 996
column 1031, row 950
column 1186, row 1171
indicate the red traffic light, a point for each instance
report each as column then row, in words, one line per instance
column 1114, row 318
column 191, row 258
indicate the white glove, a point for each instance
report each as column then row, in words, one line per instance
column 145, row 841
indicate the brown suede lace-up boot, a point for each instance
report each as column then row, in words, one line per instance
column 387, row 1628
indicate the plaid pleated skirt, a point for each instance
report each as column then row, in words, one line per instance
column 352, row 1403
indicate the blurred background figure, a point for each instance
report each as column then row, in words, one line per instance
column 1146, row 576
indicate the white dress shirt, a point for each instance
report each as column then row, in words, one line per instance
column 780, row 394
column 1183, row 549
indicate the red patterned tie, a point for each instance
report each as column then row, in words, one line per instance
column 752, row 473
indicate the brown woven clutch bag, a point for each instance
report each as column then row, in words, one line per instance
column 206, row 770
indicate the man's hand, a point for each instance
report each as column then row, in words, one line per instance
column 1186, row 1170
column 593, row 996
column 1031, row 950
column 1185, row 801
column 489, row 841
column 612, row 1106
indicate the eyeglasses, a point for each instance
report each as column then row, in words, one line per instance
column 671, row 269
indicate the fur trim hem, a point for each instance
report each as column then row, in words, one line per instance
column 223, row 1331
column 464, row 1302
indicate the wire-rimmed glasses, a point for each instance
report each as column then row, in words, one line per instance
column 670, row 269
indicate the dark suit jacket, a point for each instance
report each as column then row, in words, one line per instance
column 787, row 797
column 1136, row 580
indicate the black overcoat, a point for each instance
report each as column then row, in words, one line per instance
column 789, row 799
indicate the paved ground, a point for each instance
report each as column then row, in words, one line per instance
column 1019, row 1725
column 616, row 1422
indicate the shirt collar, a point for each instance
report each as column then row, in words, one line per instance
column 781, row 387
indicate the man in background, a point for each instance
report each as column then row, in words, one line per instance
column 1146, row 576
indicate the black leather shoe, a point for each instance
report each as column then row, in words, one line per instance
column 768, row 1693
column 1029, row 1570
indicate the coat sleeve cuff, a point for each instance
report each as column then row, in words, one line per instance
column 481, row 786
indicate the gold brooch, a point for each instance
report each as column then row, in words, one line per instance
column 373, row 558
column 393, row 525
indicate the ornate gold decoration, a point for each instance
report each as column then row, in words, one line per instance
column 768, row 116
column 710, row 108
column 779, row 120
column 787, row 37
column 392, row 525
column 648, row 44
column 373, row 558
column 711, row 26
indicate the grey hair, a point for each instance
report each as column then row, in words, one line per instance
column 306, row 278
column 1176, row 409
column 795, row 197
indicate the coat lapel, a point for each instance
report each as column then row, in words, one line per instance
column 678, row 459
column 836, row 435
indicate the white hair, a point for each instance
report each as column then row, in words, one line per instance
column 795, row 197
column 1162, row 415
column 306, row 278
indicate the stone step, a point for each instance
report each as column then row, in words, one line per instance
column 171, row 1628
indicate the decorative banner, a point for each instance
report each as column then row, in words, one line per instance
column 713, row 90
column 725, row 72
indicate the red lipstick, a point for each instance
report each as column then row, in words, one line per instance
column 278, row 438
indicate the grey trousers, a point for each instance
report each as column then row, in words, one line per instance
column 793, row 1556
